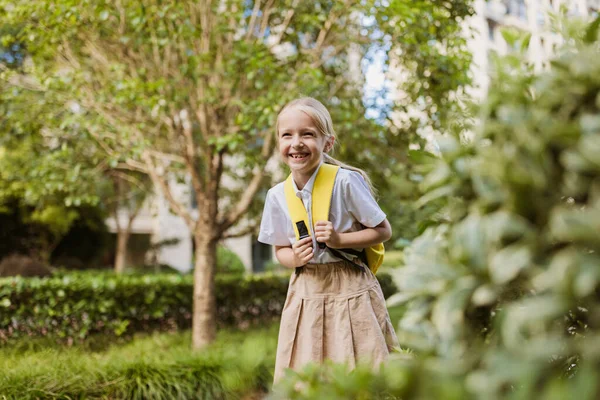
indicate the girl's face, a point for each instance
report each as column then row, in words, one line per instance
column 301, row 146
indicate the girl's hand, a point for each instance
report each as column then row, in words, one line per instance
column 303, row 251
column 324, row 233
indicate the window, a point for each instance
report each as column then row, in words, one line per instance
column 261, row 255
column 517, row 8
column 491, row 30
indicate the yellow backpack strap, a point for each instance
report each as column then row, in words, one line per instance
column 322, row 191
column 295, row 205
column 321, row 198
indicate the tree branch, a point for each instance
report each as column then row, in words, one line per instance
column 132, row 165
column 160, row 182
column 167, row 156
column 249, row 229
column 252, row 188
column 190, row 154
column 253, row 19
column 126, row 177
column 286, row 22
column 324, row 30
column 265, row 19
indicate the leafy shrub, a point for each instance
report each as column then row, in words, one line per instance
column 71, row 306
column 388, row 287
column 21, row 265
column 393, row 259
column 81, row 246
column 401, row 378
column 509, row 289
column 228, row 262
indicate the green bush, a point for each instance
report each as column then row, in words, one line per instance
column 22, row 265
column 74, row 305
column 228, row 262
column 509, row 289
column 393, row 259
column 388, row 287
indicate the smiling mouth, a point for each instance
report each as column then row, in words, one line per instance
column 299, row 156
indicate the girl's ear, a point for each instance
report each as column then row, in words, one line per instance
column 329, row 144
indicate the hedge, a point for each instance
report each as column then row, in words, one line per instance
column 76, row 305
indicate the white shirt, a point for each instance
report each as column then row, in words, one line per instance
column 352, row 208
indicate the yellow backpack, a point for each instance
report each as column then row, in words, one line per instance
column 321, row 201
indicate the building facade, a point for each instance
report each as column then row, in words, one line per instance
column 155, row 223
column 532, row 16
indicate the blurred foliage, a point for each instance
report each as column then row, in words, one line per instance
column 503, row 300
column 393, row 259
column 427, row 63
column 159, row 366
column 228, row 262
column 49, row 174
column 388, row 287
column 83, row 243
column 71, row 306
column 21, row 265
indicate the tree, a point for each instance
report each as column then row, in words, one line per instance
column 50, row 164
column 45, row 175
column 188, row 91
column 129, row 192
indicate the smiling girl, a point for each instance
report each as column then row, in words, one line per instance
column 333, row 311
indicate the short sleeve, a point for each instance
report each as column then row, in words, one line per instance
column 273, row 224
column 360, row 203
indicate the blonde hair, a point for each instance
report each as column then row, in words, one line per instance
column 322, row 120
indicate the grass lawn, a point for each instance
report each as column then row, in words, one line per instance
column 160, row 366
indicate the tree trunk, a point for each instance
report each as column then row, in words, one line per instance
column 204, row 321
column 121, row 255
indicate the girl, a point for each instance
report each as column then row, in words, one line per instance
column 333, row 310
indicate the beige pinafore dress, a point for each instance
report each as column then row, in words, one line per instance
column 333, row 312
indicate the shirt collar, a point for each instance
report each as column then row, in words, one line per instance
column 309, row 185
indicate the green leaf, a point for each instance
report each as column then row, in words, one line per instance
column 591, row 34
column 507, row 263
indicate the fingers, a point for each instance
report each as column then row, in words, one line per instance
column 302, row 243
column 323, row 237
column 323, row 224
column 305, row 256
column 303, row 250
column 323, row 231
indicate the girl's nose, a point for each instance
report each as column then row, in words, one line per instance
column 297, row 141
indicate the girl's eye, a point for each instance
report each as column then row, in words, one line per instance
column 285, row 134
column 308, row 134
